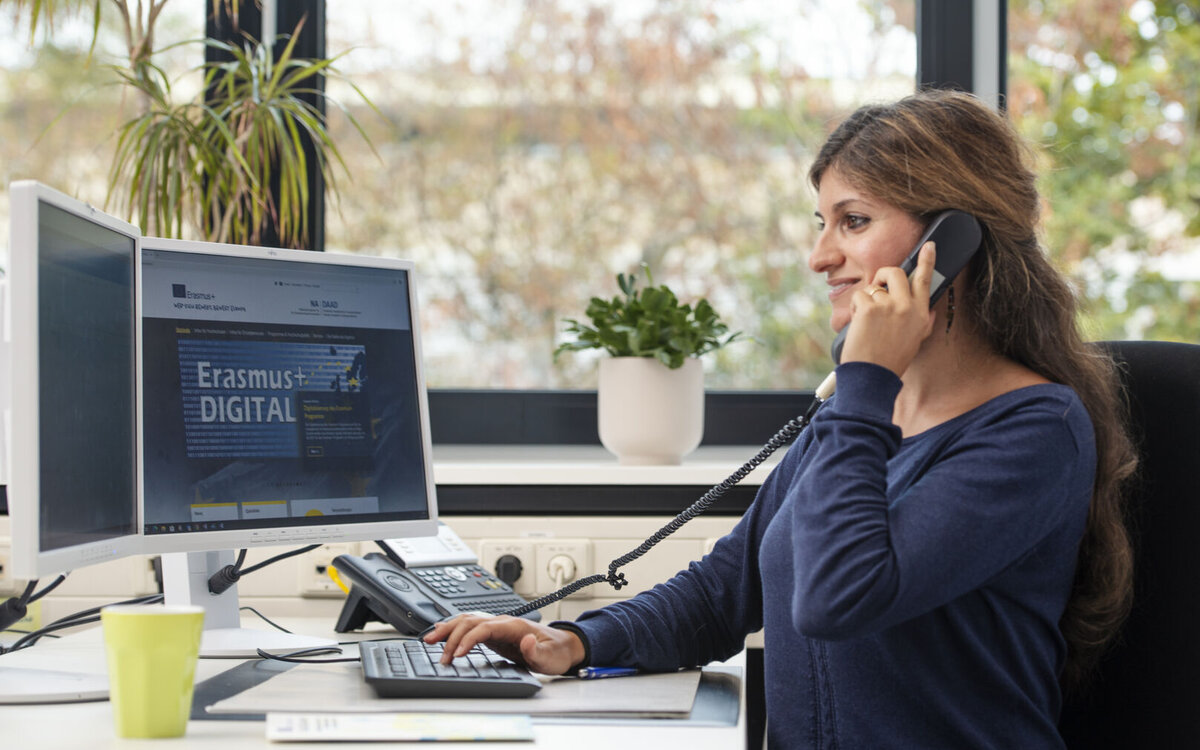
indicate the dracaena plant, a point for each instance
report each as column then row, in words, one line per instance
column 231, row 162
column 649, row 322
column 211, row 163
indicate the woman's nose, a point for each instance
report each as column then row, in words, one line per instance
column 825, row 254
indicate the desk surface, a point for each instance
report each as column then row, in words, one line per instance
column 90, row 724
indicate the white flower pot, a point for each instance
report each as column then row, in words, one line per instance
column 649, row 413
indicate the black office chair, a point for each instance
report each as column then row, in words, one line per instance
column 1146, row 693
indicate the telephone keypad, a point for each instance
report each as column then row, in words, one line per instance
column 457, row 581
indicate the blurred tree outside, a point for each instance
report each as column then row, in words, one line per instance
column 526, row 165
column 531, row 152
column 60, row 104
column 1110, row 90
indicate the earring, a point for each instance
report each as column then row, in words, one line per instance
column 949, row 307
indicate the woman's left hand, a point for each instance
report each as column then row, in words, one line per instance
column 890, row 318
column 540, row 647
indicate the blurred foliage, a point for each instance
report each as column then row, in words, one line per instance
column 523, row 168
column 591, row 139
column 1111, row 91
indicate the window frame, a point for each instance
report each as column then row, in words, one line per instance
column 250, row 19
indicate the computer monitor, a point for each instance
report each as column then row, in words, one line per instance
column 284, row 404
column 72, row 295
column 73, row 445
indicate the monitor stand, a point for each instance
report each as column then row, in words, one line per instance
column 185, row 581
column 19, row 685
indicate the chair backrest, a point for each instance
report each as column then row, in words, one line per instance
column 1147, row 690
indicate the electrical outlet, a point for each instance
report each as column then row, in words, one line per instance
column 571, row 557
column 517, row 554
column 314, row 570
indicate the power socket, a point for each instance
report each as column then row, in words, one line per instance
column 491, row 550
column 572, row 556
column 314, row 580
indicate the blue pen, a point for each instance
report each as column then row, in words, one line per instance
column 596, row 673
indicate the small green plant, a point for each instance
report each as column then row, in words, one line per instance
column 648, row 323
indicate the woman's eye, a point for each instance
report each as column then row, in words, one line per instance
column 853, row 221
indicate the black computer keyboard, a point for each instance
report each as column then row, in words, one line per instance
column 412, row 669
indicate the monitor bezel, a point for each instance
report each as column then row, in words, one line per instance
column 29, row 560
column 333, row 532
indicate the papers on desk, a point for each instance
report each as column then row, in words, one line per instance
column 340, row 688
column 381, row 727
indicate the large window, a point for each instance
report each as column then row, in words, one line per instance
column 527, row 152
column 1111, row 91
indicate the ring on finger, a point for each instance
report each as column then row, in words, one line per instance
column 872, row 290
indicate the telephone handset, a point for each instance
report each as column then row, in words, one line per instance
column 415, row 582
column 957, row 236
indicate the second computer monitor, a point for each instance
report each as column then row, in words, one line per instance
column 284, row 404
column 283, row 398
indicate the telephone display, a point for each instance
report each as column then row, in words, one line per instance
column 424, row 580
column 957, row 236
column 446, row 548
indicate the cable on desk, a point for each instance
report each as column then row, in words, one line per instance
column 220, row 581
column 264, row 618
column 82, row 617
column 294, row 657
column 53, row 585
column 14, row 609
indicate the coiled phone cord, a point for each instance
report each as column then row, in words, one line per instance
column 788, row 432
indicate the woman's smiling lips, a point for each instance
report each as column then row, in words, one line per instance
column 840, row 286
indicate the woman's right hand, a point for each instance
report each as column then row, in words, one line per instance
column 891, row 317
column 541, row 648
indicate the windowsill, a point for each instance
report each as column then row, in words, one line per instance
column 586, row 465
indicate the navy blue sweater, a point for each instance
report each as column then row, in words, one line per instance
column 909, row 589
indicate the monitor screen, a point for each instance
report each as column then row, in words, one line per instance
column 283, row 397
column 283, row 404
column 72, row 293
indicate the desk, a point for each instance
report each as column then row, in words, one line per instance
column 90, row 724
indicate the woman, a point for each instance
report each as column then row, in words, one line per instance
column 942, row 548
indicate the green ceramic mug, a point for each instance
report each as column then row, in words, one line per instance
column 152, row 651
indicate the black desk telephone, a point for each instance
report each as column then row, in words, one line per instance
column 423, row 580
column 387, row 590
column 957, row 236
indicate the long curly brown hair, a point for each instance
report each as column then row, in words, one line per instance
column 941, row 149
